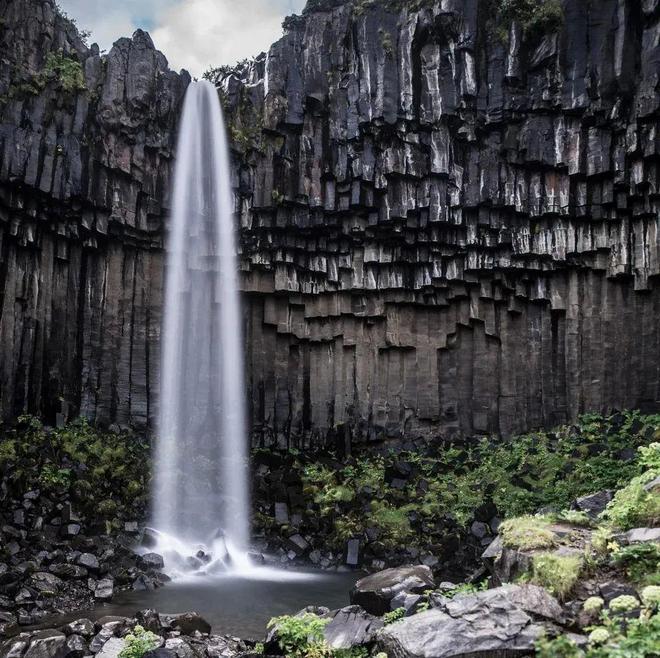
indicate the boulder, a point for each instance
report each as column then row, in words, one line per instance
column 104, row 589
column 298, row 544
column 639, row 536
column 593, row 504
column 533, row 600
column 353, row 552
column 65, row 570
column 186, row 623
column 75, row 647
column 151, row 561
column 375, row 592
column 47, row 644
column 14, row 647
column 161, row 652
column 112, row 648
column 8, row 625
column 351, row 627
column 497, row 622
column 181, row 648
column 46, row 583
column 88, row 561
column 82, row 627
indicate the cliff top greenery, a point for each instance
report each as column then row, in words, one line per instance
column 534, row 16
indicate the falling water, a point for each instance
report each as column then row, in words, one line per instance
column 200, row 498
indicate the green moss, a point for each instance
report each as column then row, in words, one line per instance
column 393, row 522
column 574, row 517
column 102, row 472
column 520, row 475
column 557, row 573
column 528, row 533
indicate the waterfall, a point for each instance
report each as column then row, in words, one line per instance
column 200, row 495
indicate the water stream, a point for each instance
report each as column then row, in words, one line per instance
column 200, row 496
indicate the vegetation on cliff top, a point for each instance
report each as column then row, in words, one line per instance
column 535, row 17
column 62, row 71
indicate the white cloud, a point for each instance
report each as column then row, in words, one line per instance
column 193, row 34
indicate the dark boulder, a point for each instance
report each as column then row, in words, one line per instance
column 186, row 623
column 47, row 644
column 375, row 592
column 351, row 627
column 83, row 627
column 593, row 504
column 151, row 561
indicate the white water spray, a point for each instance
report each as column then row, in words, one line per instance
column 200, row 497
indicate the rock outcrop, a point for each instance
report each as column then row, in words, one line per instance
column 445, row 230
column 84, row 179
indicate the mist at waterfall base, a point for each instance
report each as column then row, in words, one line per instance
column 200, row 509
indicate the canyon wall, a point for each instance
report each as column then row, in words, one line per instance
column 448, row 226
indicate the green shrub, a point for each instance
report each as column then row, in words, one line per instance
column 636, row 638
column 138, row 643
column 624, row 603
column 634, row 506
column 560, row 647
column 394, row 616
column 65, row 71
column 641, row 562
column 593, row 604
column 557, row 573
column 300, row 636
column 52, row 477
column 520, row 475
column 651, row 595
column 467, row 588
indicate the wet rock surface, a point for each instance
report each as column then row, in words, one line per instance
column 376, row 591
column 419, row 201
column 49, row 572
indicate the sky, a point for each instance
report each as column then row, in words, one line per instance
column 193, row 34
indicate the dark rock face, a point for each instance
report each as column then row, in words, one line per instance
column 84, row 177
column 441, row 233
column 351, row 626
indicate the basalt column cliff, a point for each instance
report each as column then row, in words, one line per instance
column 449, row 220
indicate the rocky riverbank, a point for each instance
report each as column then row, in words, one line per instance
column 71, row 499
column 74, row 507
column 577, row 583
